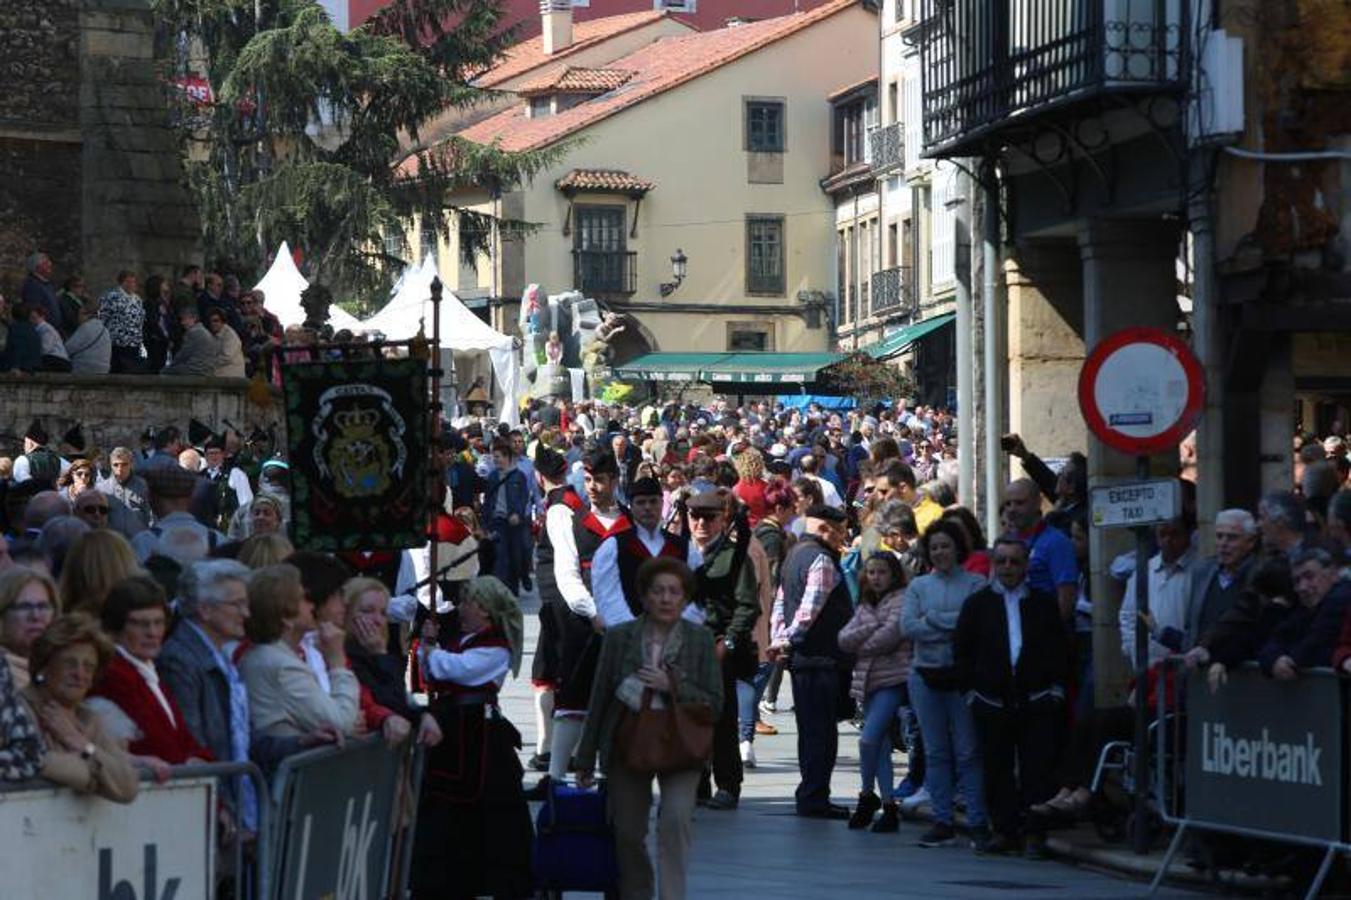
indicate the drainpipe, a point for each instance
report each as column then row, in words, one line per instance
column 1205, row 328
column 994, row 365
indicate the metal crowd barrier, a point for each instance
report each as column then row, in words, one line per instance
column 334, row 822
column 343, row 820
column 121, row 825
column 1258, row 758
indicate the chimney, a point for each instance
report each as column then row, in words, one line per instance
column 557, row 15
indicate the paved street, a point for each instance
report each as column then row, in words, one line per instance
column 763, row 850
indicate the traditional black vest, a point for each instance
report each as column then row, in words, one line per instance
column 589, row 533
column 544, row 548
column 632, row 553
column 458, row 643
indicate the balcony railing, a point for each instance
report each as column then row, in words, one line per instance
column 990, row 63
column 892, row 291
column 613, row 272
column 887, row 148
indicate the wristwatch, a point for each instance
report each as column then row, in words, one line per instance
column 88, row 752
column 729, row 644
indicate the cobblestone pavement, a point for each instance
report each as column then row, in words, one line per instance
column 763, row 850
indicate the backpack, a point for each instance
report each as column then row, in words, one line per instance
column 44, row 465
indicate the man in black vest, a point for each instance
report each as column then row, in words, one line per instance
column 551, row 470
column 1013, row 662
column 614, row 570
column 811, row 608
column 574, row 534
column 727, row 593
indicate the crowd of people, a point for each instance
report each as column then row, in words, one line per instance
column 686, row 558
column 202, row 324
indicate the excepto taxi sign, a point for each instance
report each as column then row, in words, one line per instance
column 1136, row 503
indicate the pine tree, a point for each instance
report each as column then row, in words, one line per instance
column 322, row 138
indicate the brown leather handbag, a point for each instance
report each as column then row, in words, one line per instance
column 676, row 739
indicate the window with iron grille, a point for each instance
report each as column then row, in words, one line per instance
column 598, row 249
column 765, row 262
column 396, row 245
column 764, row 126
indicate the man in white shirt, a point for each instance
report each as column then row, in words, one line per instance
column 809, row 465
column 615, row 566
column 1169, row 588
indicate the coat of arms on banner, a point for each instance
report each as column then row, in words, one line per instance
column 358, row 453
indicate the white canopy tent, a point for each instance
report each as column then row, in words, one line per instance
column 282, row 286
column 410, row 311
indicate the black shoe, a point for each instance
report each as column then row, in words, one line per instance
column 539, row 762
column 723, row 800
column 868, row 805
column 939, row 835
column 987, row 844
column 889, row 821
column 539, row 792
column 833, row 811
column 1036, row 847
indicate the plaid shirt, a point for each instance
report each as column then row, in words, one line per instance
column 821, row 580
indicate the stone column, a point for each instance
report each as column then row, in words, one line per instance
column 1046, row 347
column 1129, row 279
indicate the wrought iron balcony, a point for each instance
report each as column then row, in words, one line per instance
column 605, row 272
column 892, row 291
column 987, row 65
column 887, row 148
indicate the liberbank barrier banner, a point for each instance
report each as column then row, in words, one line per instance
column 60, row 844
column 337, row 820
column 357, row 434
column 1266, row 754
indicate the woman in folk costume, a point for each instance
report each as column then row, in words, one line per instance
column 473, row 825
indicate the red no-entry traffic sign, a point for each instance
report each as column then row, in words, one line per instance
column 1141, row 391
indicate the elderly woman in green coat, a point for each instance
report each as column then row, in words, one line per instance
column 659, row 651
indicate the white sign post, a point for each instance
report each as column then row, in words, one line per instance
column 1136, row 504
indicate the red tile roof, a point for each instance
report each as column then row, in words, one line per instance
column 603, row 180
column 576, row 80
column 657, row 67
column 528, row 55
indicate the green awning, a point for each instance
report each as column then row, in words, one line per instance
column 751, row 367
column 901, row 340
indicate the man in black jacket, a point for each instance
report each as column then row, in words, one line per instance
column 1013, row 661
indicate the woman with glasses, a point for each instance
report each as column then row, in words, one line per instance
column 128, row 697
column 80, row 477
column 28, row 603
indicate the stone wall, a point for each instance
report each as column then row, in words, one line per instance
column 89, row 165
column 116, row 409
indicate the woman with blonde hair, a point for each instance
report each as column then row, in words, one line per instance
column 96, row 561
column 265, row 550
column 750, row 486
column 66, row 662
column 28, row 603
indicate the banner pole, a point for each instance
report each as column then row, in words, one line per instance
column 1141, row 768
column 434, row 445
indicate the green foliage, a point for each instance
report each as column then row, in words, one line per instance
column 324, row 139
column 867, row 379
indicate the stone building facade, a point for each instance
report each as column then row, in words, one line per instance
column 89, row 162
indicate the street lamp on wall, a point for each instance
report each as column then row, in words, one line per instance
column 678, row 263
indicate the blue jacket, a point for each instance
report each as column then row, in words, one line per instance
column 518, row 494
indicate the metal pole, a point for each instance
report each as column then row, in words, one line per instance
column 966, row 443
column 994, row 366
column 1142, row 676
column 434, row 417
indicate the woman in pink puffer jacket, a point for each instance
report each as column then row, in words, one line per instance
column 873, row 635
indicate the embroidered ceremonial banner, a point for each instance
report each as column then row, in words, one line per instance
column 358, row 440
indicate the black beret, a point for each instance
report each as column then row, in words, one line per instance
column 645, row 487
column 551, row 465
column 826, row 512
column 714, row 500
